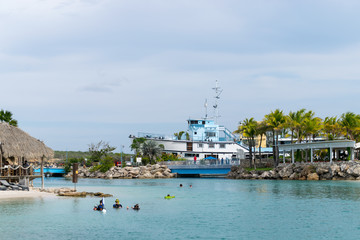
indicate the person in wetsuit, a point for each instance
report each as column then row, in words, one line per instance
column 117, row 204
column 100, row 207
column 136, row 207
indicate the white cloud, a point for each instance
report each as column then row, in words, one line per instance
column 121, row 62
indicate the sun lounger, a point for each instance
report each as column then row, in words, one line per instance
column 23, row 185
column 6, row 184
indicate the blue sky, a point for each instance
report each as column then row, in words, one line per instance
column 77, row 72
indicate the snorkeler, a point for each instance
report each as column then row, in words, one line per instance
column 117, row 204
column 136, row 207
column 99, row 207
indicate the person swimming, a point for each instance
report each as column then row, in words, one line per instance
column 136, row 207
column 180, row 185
column 99, row 207
column 117, row 204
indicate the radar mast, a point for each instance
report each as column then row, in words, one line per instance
column 218, row 91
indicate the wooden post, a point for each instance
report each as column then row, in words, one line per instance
column 1, row 170
column 42, row 172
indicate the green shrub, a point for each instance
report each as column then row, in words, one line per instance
column 69, row 162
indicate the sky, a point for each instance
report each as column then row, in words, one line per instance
column 75, row 72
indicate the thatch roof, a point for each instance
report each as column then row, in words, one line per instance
column 17, row 143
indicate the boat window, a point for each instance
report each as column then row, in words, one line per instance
column 222, row 145
column 211, row 145
column 200, row 145
column 203, row 122
column 210, row 134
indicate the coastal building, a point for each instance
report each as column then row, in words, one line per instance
column 205, row 139
column 17, row 148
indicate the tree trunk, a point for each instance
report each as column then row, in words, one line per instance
column 254, row 158
column 260, row 148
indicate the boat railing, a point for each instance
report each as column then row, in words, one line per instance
column 203, row 162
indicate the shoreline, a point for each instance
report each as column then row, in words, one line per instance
column 33, row 193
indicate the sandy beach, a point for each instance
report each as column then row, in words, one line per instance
column 33, row 193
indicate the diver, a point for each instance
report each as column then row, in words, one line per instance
column 117, row 204
column 100, row 207
column 136, row 207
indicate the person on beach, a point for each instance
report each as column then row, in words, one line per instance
column 117, row 204
column 136, row 207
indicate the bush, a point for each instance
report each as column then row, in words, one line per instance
column 169, row 157
column 105, row 164
column 69, row 162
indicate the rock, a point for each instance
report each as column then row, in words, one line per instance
column 308, row 169
column 313, row 176
column 294, row 176
column 334, row 169
column 320, row 170
column 158, row 175
column 72, row 194
column 354, row 171
column 286, row 172
column 266, row 175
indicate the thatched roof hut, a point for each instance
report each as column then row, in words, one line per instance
column 17, row 144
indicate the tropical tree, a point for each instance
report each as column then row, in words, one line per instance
column 276, row 122
column 179, row 135
column 261, row 130
column 151, row 149
column 350, row 122
column 248, row 128
column 136, row 145
column 332, row 129
column 312, row 126
column 293, row 122
column 99, row 150
column 6, row 116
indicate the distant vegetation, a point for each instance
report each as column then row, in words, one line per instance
column 6, row 116
column 100, row 157
column 299, row 126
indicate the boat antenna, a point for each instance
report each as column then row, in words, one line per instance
column 206, row 109
column 218, row 91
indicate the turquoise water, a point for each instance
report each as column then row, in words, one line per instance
column 211, row 209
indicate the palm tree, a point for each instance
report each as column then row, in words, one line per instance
column 248, row 129
column 312, row 127
column 332, row 128
column 179, row 135
column 151, row 149
column 293, row 122
column 261, row 130
column 6, row 116
column 350, row 122
column 275, row 121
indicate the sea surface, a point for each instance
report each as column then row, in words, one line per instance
column 211, row 209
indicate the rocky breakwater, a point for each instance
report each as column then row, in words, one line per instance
column 302, row 171
column 148, row 171
column 68, row 192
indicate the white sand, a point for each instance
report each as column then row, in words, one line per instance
column 25, row 194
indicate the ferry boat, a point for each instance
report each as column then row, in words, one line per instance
column 204, row 139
